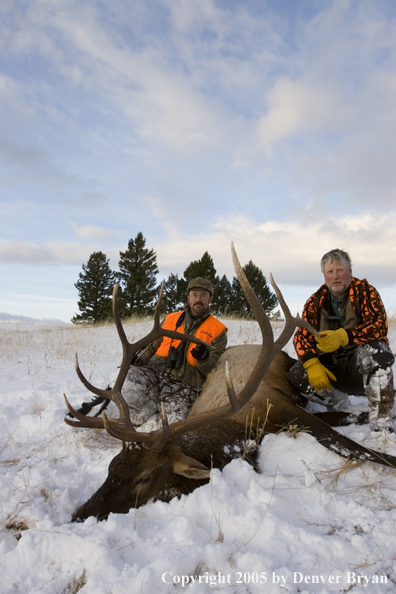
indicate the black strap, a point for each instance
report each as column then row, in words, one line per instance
column 180, row 320
column 175, row 359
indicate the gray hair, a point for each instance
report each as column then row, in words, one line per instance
column 335, row 255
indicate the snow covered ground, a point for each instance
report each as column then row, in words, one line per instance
column 310, row 522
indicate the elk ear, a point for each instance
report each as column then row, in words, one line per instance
column 188, row 467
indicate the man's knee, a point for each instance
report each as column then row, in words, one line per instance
column 373, row 356
column 298, row 376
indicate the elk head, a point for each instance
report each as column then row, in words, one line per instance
column 177, row 458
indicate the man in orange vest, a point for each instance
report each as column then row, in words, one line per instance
column 172, row 371
column 187, row 362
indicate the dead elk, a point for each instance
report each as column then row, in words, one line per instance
column 177, row 458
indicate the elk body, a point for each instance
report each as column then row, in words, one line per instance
column 177, row 459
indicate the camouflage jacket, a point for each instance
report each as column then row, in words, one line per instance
column 366, row 304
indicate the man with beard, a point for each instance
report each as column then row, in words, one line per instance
column 187, row 362
column 352, row 355
column 171, row 371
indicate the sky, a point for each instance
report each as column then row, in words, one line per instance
column 196, row 122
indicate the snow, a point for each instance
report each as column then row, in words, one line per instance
column 310, row 522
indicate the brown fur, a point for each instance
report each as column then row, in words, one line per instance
column 242, row 360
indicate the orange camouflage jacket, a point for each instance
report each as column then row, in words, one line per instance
column 369, row 309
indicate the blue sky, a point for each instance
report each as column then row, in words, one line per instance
column 197, row 122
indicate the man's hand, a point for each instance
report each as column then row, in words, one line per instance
column 200, row 352
column 331, row 340
column 318, row 375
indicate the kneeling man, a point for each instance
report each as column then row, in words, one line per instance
column 352, row 355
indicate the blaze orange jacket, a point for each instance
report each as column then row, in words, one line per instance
column 369, row 309
column 210, row 328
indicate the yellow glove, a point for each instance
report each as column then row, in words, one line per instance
column 331, row 340
column 318, row 375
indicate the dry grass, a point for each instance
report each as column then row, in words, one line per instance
column 39, row 349
column 76, row 585
column 16, row 526
column 56, row 341
column 30, row 342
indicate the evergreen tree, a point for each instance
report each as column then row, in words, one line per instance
column 172, row 299
column 222, row 305
column 259, row 285
column 203, row 268
column 94, row 287
column 137, row 275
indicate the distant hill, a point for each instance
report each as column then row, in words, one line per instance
column 6, row 317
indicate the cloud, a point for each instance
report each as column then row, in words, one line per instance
column 93, row 232
column 294, row 108
column 291, row 250
column 159, row 99
column 217, row 83
column 49, row 254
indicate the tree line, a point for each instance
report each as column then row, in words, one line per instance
column 138, row 293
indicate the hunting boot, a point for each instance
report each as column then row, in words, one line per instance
column 86, row 407
column 380, row 394
column 334, row 399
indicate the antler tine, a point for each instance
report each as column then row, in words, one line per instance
column 87, row 384
column 128, row 349
column 165, row 424
column 82, row 420
column 230, row 388
column 261, row 316
column 304, row 324
column 157, row 311
column 118, row 429
column 268, row 348
column 114, row 395
column 291, row 322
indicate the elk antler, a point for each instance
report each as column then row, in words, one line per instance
column 156, row 439
column 128, row 352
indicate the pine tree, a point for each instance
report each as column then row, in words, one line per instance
column 222, row 304
column 203, row 268
column 94, row 287
column 259, row 285
column 137, row 275
column 172, row 299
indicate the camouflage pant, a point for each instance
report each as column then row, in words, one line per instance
column 365, row 370
column 143, row 391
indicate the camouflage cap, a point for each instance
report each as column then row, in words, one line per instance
column 201, row 283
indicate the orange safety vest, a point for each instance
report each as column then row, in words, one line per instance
column 207, row 331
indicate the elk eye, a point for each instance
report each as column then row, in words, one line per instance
column 142, row 481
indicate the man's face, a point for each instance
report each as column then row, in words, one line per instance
column 199, row 300
column 337, row 277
